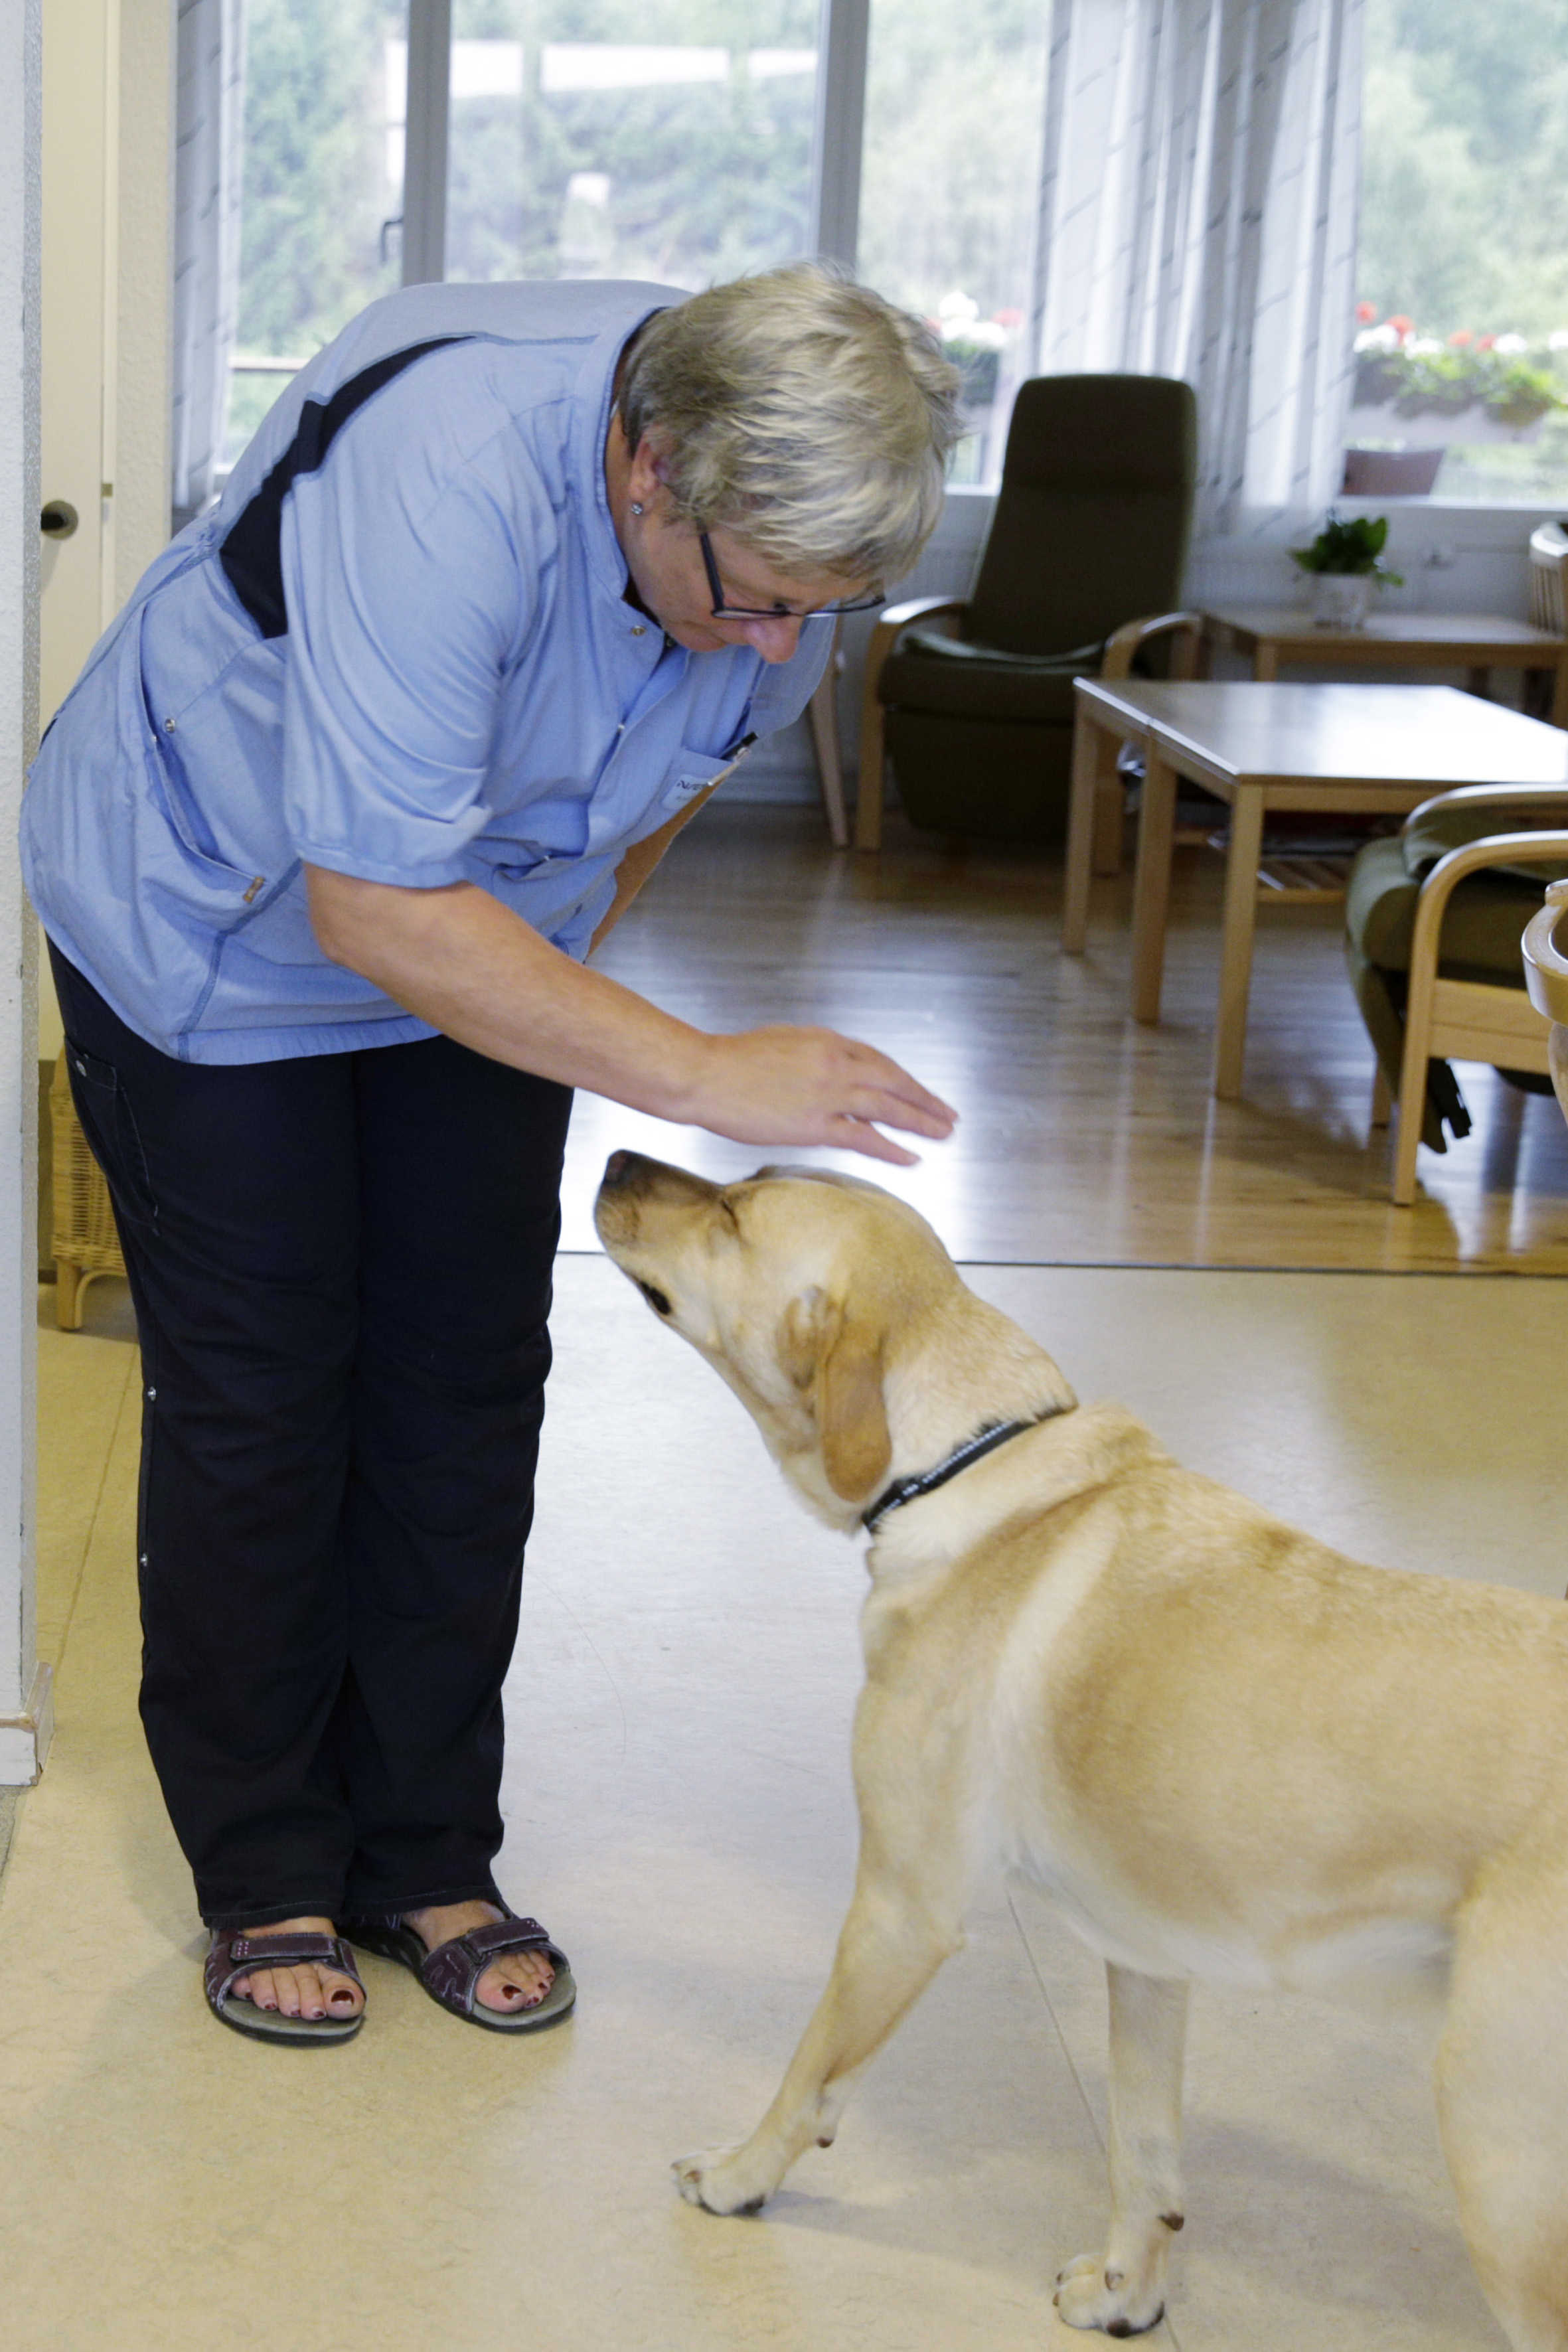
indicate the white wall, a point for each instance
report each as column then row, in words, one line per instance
column 21, row 1701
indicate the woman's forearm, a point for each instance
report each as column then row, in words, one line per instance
column 472, row 968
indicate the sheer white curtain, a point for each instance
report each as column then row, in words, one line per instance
column 1198, row 219
column 209, row 115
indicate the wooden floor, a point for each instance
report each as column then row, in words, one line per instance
column 1084, row 1138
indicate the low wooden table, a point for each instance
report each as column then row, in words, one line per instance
column 1372, row 750
column 1477, row 643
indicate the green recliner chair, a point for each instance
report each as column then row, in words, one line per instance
column 1090, row 533
column 1434, row 917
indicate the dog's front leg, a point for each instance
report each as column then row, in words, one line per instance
column 891, row 1947
column 1124, row 2291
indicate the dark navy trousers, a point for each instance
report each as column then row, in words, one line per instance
column 340, row 1267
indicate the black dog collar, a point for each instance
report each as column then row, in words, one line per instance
column 983, row 1442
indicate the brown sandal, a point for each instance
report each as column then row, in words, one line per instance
column 450, row 1973
column 230, row 1956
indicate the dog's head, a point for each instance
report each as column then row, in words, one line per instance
column 803, row 1289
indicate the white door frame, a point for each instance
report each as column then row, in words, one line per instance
column 125, row 499
column 24, row 1693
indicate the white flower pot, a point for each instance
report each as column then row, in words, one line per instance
column 1342, row 599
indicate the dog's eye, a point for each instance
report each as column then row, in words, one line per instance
column 656, row 1298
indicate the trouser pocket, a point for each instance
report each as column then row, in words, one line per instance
column 109, row 1123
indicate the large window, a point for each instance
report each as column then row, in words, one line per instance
column 321, row 184
column 660, row 139
column 1462, row 336
column 950, row 168
column 672, row 140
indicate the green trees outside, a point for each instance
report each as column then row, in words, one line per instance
column 954, row 104
column 687, row 181
column 315, row 189
column 1464, row 210
column 683, row 182
column 1465, row 165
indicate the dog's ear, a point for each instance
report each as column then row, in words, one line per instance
column 836, row 1354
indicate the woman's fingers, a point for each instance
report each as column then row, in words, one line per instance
column 889, row 1093
column 811, row 1085
column 858, row 1135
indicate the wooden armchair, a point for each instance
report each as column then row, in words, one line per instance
column 973, row 706
column 1438, row 974
column 1185, row 629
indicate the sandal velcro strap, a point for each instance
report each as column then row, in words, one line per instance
column 238, row 1956
column 451, row 1972
column 505, row 1936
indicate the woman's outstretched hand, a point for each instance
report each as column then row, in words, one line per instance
column 811, row 1085
column 468, row 966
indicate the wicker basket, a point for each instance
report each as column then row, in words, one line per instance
column 86, row 1243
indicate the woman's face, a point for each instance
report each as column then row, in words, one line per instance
column 683, row 599
column 664, row 556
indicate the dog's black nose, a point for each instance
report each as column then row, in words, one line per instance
column 615, row 1166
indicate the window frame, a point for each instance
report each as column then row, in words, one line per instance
column 843, row 46
column 1460, row 529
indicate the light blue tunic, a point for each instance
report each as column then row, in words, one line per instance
column 399, row 647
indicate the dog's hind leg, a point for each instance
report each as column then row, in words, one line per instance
column 891, row 1945
column 1502, row 2085
column 1123, row 2291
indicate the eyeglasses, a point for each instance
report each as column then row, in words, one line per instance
column 722, row 612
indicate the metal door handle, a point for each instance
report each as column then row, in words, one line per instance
column 58, row 519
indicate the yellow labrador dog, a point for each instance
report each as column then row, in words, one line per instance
column 1234, row 1754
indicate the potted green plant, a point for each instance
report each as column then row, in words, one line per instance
column 1344, row 563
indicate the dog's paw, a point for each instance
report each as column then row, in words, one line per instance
column 720, row 2180
column 1090, row 2295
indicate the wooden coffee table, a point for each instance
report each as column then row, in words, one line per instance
column 1477, row 643
column 1260, row 747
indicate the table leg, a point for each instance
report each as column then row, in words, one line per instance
column 1478, row 681
column 1151, row 884
column 1236, row 947
column 823, row 710
column 1090, row 746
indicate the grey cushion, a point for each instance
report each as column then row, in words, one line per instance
column 984, row 686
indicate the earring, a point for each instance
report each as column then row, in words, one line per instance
column 635, row 508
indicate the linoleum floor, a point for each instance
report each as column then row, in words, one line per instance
column 677, row 1793
column 679, row 1811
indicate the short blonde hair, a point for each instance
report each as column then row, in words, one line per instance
column 802, row 412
